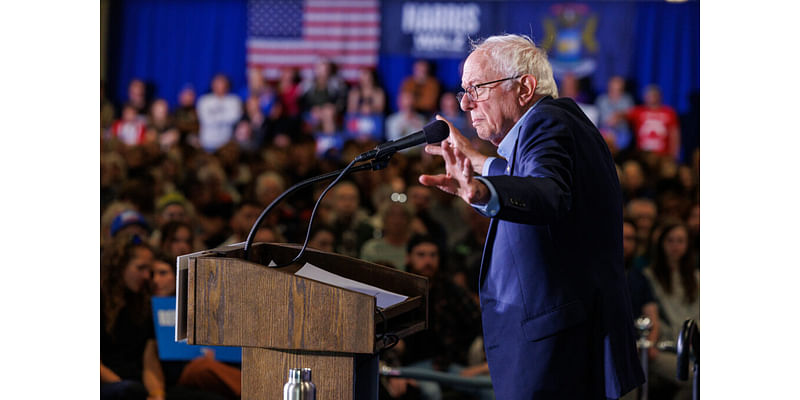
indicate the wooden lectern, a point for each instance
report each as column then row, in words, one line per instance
column 285, row 321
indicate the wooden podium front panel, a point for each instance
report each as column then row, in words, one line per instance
column 265, row 371
column 236, row 303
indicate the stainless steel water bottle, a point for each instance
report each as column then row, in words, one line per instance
column 299, row 386
column 311, row 389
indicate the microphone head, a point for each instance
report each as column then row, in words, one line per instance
column 436, row 131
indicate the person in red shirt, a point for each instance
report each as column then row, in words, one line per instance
column 131, row 128
column 655, row 125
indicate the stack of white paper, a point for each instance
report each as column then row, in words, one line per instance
column 383, row 298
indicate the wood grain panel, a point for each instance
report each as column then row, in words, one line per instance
column 243, row 304
column 268, row 370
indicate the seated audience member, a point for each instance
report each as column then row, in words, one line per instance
column 570, row 87
column 218, row 112
column 634, row 181
column 268, row 234
column 113, row 174
column 186, row 115
column 283, row 218
column 613, row 107
column 131, row 128
column 406, row 120
column 213, row 223
column 324, row 88
column 140, row 191
column 215, row 185
column 250, row 132
column 328, row 134
column 451, row 111
column 109, row 213
column 164, row 277
column 106, row 109
column 676, row 284
column 391, row 247
column 655, row 125
column 421, row 199
column 130, row 222
column 260, row 90
column 348, row 220
column 643, row 301
column 160, row 125
column 644, row 213
column 138, row 96
column 129, row 366
column 322, row 238
column 172, row 206
column 454, row 316
column 203, row 373
column 129, row 363
column 693, row 224
column 289, row 91
column 423, row 87
column 178, row 239
column 367, row 96
column 268, row 186
column 242, row 221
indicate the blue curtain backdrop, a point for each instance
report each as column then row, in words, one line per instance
column 170, row 43
column 666, row 51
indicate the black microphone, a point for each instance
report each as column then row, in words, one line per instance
column 434, row 132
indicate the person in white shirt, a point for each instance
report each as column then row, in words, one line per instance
column 218, row 112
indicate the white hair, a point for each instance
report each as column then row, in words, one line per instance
column 513, row 55
column 263, row 179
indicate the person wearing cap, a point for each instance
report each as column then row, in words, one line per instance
column 171, row 207
column 556, row 313
column 130, row 222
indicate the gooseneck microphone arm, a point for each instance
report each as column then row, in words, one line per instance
column 374, row 165
column 378, row 158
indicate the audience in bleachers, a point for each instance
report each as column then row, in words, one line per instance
column 196, row 176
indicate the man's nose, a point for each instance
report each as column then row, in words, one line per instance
column 465, row 103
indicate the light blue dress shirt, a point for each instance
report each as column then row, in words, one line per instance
column 505, row 149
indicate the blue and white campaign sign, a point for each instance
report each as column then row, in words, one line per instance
column 593, row 39
column 170, row 350
column 434, row 29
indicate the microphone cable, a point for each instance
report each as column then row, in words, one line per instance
column 314, row 213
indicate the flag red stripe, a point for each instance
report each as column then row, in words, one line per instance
column 350, row 38
column 263, row 65
column 342, row 24
column 343, row 10
column 355, row 52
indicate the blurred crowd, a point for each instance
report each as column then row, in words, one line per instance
column 196, row 176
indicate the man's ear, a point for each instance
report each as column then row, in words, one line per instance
column 527, row 88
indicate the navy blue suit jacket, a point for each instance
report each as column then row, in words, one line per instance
column 555, row 305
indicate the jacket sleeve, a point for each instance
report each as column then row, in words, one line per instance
column 540, row 190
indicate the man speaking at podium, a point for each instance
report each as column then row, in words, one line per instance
column 556, row 313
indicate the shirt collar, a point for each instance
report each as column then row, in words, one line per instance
column 506, row 145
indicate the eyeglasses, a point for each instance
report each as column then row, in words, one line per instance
column 474, row 94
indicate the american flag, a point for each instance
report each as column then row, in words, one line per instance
column 298, row 33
